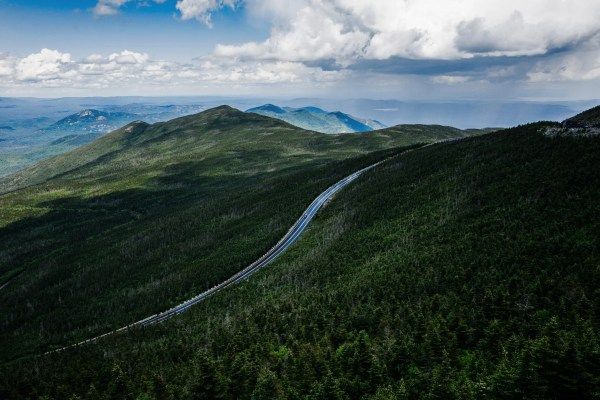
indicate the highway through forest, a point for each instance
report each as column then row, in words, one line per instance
column 286, row 241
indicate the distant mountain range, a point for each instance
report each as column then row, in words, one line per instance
column 91, row 121
column 27, row 138
column 317, row 119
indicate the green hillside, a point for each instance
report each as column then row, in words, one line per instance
column 151, row 215
column 169, row 142
column 461, row 270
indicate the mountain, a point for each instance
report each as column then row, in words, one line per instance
column 268, row 109
column 183, row 204
column 316, row 119
column 118, row 142
column 91, row 121
column 34, row 139
column 37, row 138
column 155, row 112
column 463, row 269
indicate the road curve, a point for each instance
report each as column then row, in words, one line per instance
column 286, row 241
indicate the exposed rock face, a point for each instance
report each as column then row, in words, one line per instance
column 585, row 124
column 565, row 131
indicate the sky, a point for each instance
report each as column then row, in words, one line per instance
column 385, row 49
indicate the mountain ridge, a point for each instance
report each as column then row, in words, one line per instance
column 212, row 119
column 222, row 185
column 317, row 119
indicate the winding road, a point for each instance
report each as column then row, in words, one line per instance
column 286, row 241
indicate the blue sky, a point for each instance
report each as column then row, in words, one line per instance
column 411, row 49
column 70, row 25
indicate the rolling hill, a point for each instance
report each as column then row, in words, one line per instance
column 316, row 119
column 464, row 269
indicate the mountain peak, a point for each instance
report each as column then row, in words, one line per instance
column 223, row 107
column 312, row 109
column 267, row 108
column 316, row 119
column 88, row 113
column 220, row 111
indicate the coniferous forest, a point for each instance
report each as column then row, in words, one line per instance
column 466, row 269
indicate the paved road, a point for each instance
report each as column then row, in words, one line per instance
column 286, row 241
column 290, row 237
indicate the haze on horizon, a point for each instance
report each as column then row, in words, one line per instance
column 414, row 50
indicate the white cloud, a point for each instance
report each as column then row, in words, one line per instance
column 351, row 31
column 108, row 7
column 582, row 65
column 45, row 65
column 347, row 30
column 312, row 34
column 201, row 9
column 266, row 72
column 52, row 68
column 489, row 42
column 128, row 57
column 450, row 79
column 6, row 65
column 111, row 7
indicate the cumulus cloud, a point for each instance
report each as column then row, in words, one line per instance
column 111, row 7
column 345, row 33
column 45, row 65
column 128, row 57
column 201, row 9
column 445, row 43
column 310, row 35
column 52, row 68
column 6, row 65
column 108, row 7
column 346, row 30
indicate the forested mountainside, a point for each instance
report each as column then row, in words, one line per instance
column 151, row 215
column 464, row 269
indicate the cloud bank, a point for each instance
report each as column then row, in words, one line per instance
column 54, row 69
column 348, row 31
